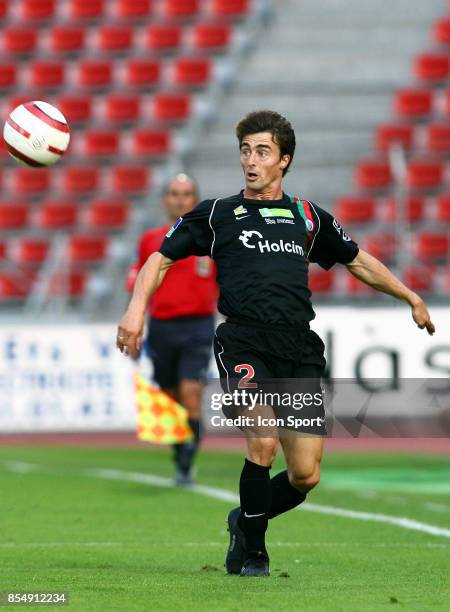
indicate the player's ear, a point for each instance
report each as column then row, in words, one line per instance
column 285, row 161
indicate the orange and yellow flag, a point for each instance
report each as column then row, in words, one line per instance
column 160, row 418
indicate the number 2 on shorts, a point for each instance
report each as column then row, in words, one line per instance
column 243, row 383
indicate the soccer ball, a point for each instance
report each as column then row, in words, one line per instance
column 36, row 134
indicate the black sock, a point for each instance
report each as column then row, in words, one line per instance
column 184, row 453
column 255, row 493
column 284, row 495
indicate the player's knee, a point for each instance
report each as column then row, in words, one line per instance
column 305, row 480
column 263, row 451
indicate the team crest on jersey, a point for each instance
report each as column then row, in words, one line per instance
column 309, row 225
column 174, row 227
column 240, row 210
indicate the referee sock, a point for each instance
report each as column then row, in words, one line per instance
column 185, row 452
column 255, row 493
column 284, row 495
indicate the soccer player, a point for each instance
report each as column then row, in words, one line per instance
column 181, row 328
column 262, row 241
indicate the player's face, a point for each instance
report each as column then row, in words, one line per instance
column 262, row 162
column 180, row 198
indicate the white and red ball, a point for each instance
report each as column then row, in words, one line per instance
column 36, row 134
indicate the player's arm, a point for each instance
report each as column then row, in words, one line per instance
column 130, row 329
column 372, row 272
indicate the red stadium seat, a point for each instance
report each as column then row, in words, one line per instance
column 381, row 246
column 83, row 248
column 131, row 179
column 126, row 9
column 433, row 245
column 72, row 284
column 13, row 215
column 31, row 180
column 191, row 72
column 3, row 8
column 31, row 251
column 38, row 9
column 101, row 143
column 67, row 39
column 441, row 31
column 446, row 96
column 54, row 214
column 75, row 108
column 115, row 38
column 122, row 108
column 354, row 209
column 108, row 214
column 180, row 8
column 2, row 249
column 14, row 101
column 163, row 37
column 80, row 179
column 14, row 285
column 356, row 287
column 424, row 174
column 373, row 174
column 171, row 107
column 152, row 142
column 211, row 36
column 19, row 40
column 143, row 73
column 432, row 67
column 8, row 74
column 443, row 208
column 229, row 8
column 47, row 73
column 86, row 9
column 390, row 134
column 320, row 281
column 438, row 138
column 419, row 278
column 413, row 103
column 415, row 209
column 94, row 73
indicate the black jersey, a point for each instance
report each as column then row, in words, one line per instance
column 262, row 250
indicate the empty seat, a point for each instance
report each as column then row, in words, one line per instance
column 94, row 73
column 14, row 285
column 19, row 40
column 56, row 214
column 152, row 142
column 413, row 103
column 441, row 31
column 419, row 278
column 438, row 138
column 142, row 73
column 86, row 9
column 31, row 251
column 131, row 179
column 432, row 67
column 424, row 174
column 2, row 249
column 414, row 208
column 381, row 246
column 13, row 215
column 47, row 73
column 101, row 143
column 67, row 39
column 446, row 102
column 171, row 107
column 443, row 208
column 31, row 180
column 354, row 209
column 37, row 9
column 320, row 281
column 229, row 8
column 115, row 38
column 373, row 174
column 75, row 108
column 80, row 179
column 432, row 245
column 355, row 287
column 388, row 135
column 211, row 36
column 3, row 8
column 72, row 284
column 122, row 107
column 191, row 72
column 126, row 9
column 84, row 248
column 109, row 214
column 163, row 37
column 180, row 8
column 8, row 74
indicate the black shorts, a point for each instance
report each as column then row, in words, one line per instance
column 180, row 348
column 287, row 360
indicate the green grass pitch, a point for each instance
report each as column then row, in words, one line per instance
column 123, row 545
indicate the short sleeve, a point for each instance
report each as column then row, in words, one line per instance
column 330, row 242
column 190, row 235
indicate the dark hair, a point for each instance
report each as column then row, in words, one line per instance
column 269, row 121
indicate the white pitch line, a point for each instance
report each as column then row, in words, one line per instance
column 224, row 495
column 20, row 467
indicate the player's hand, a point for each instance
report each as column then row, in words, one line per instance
column 129, row 334
column 421, row 316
